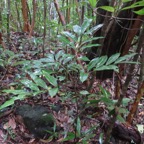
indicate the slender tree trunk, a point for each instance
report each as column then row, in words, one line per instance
column 26, row 24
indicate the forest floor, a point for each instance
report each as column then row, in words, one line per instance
column 13, row 131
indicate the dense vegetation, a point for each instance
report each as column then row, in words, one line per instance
column 73, row 70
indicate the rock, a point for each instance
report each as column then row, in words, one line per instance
column 37, row 119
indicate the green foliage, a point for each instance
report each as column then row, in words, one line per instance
column 55, row 68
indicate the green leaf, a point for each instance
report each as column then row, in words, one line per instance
column 101, row 138
column 89, row 46
column 69, row 35
column 113, row 58
column 11, row 101
column 17, row 92
column 94, row 29
column 101, row 61
column 59, row 54
column 120, row 118
column 84, row 92
column 84, row 58
column 53, row 91
column 134, row 5
column 51, row 79
column 70, row 136
column 93, row 3
column 85, row 25
column 104, row 92
column 109, row 67
column 108, row 8
column 125, row 101
column 107, row 101
column 121, row 59
column 77, row 29
column 140, row 12
column 38, row 81
column 92, row 63
column 90, row 40
column 63, row 39
column 83, row 76
column 30, row 84
column 78, row 127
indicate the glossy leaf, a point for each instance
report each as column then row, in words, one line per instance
column 94, row 29
column 85, row 25
column 51, row 79
column 113, row 58
column 101, row 61
column 93, row 3
column 38, row 81
column 84, row 92
column 30, row 84
column 83, row 76
column 78, row 127
column 121, row 59
column 53, row 91
column 11, row 101
column 108, row 8
column 140, row 12
column 92, row 63
column 63, row 39
column 109, row 67
column 90, row 45
column 70, row 35
column 77, row 29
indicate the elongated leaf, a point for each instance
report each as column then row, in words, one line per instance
column 53, row 91
column 94, row 29
column 108, row 8
column 84, row 92
column 134, row 5
column 85, row 25
column 30, row 84
column 104, row 92
column 38, row 81
column 140, row 12
column 83, row 76
column 119, row 60
column 63, row 39
column 59, row 54
column 93, row 3
column 16, row 92
column 91, row 39
column 78, row 127
column 107, row 101
column 51, row 79
column 11, row 101
column 101, row 61
column 109, row 67
column 92, row 63
column 113, row 58
column 90, row 45
column 77, row 29
column 70, row 35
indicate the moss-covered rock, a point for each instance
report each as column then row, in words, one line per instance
column 37, row 119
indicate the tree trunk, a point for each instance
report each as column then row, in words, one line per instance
column 118, row 37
